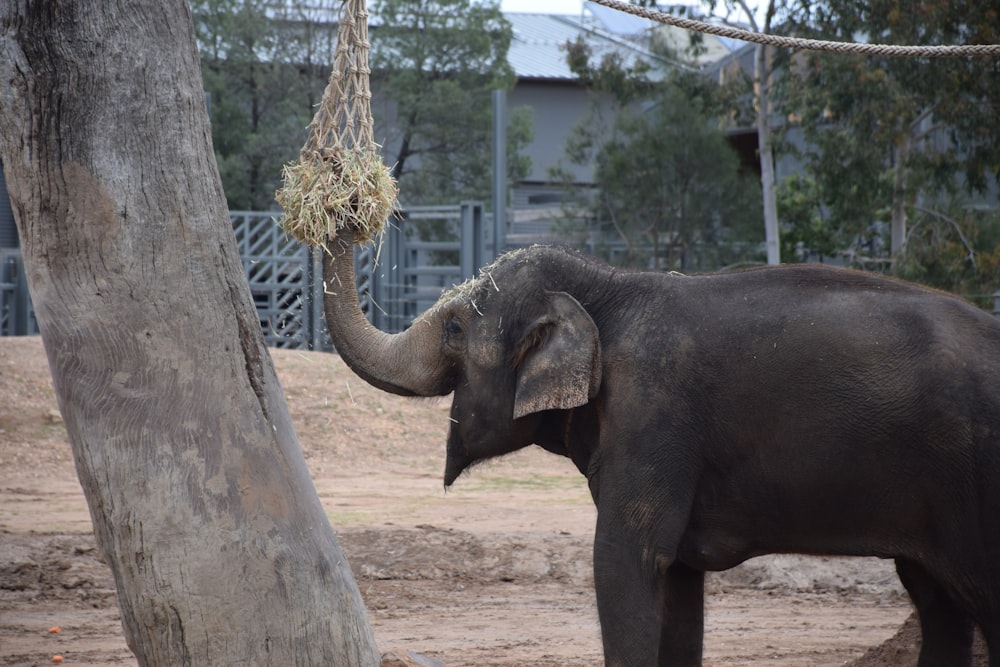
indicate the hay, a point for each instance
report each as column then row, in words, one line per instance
column 330, row 188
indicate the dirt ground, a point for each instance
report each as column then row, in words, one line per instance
column 495, row 572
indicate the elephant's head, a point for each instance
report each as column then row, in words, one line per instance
column 508, row 349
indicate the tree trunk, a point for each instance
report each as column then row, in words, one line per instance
column 198, row 490
column 762, row 88
column 897, row 228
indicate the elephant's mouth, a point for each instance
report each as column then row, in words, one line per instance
column 455, row 466
column 457, row 460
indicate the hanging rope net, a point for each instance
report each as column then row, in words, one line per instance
column 340, row 179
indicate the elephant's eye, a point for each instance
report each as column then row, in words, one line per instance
column 452, row 328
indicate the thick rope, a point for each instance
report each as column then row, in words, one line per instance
column 957, row 51
column 340, row 180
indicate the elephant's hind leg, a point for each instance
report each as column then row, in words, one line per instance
column 946, row 628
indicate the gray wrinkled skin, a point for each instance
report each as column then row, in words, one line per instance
column 716, row 418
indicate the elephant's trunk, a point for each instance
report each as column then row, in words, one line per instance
column 408, row 363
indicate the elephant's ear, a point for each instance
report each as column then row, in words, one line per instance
column 558, row 361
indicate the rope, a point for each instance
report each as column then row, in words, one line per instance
column 956, row 51
column 339, row 180
column 344, row 118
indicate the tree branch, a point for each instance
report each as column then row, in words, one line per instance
column 958, row 230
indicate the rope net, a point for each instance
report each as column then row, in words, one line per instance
column 340, row 178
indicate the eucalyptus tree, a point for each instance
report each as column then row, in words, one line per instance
column 763, row 72
column 199, row 494
column 889, row 137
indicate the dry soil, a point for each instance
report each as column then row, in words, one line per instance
column 495, row 572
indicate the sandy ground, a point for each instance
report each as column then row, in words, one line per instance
column 494, row 572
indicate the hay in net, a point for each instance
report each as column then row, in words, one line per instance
column 340, row 179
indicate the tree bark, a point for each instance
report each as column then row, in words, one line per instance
column 767, row 184
column 897, row 228
column 198, row 491
column 765, row 150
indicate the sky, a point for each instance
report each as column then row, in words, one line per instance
column 543, row 6
column 574, row 7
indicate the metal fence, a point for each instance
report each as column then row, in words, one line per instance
column 426, row 251
column 16, row 315
column 282, row 275
column 422, row 253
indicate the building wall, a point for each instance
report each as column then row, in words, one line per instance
column 556, row 109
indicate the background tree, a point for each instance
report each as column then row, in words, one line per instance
column 669, row 178
column 762, row 83
column 264, row 67
column 890, row 134
column 436, row 63
column 805, row 234
column 200, row 498
column 955, row 248
column 667, row 183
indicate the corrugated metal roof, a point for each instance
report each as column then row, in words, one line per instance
column 536, row 51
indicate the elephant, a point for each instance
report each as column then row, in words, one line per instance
column 793, row 409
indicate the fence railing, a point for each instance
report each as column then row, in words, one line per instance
column 424, row 252
column 16, row 315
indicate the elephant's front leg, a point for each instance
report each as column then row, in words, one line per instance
column 683, row 605
column 649, row 615
column 628, row 602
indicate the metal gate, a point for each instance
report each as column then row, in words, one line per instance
column 282, row 274
column 422, row 253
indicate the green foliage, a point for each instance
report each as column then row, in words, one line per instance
column 668, row 181
column 264, row 70
column 624, row 82
column 435, row 64
column 439, row 62
column 887, row 133
column 804, row 232
column 668, row 185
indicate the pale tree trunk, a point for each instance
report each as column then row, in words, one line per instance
column 765, row 151
column 897, row 227
column 762, row 87
column 197, row 487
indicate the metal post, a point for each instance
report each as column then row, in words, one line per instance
column 466, row 241
column 499, row 171
column 472, row 251
column 317, row 322
column 479, row 238
column 22, row 300
column 996, row 303
column 395, row 274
